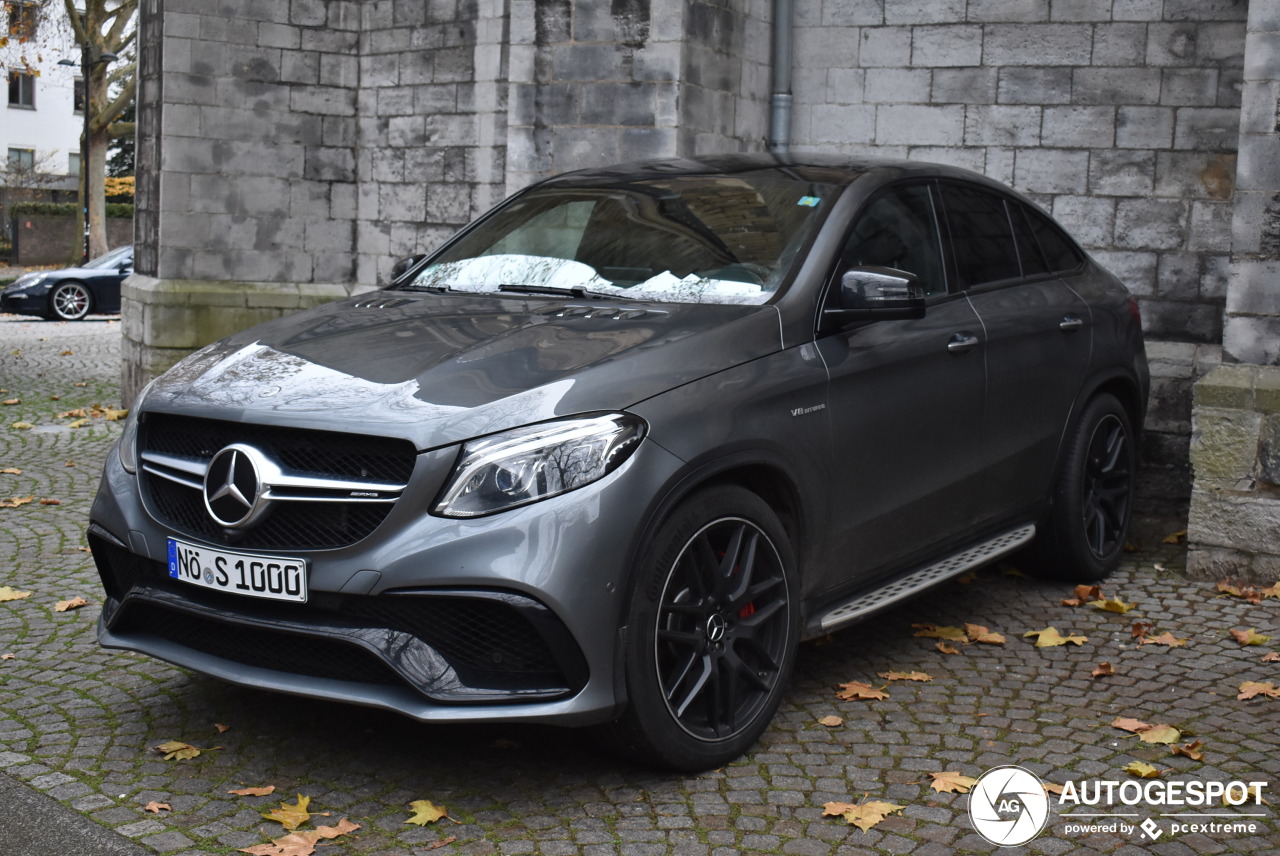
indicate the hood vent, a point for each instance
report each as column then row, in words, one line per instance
column 599, row 313
column 382, row 303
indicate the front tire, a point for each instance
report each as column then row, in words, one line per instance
column 712, row 631
column 1085, row 534
column 69, row 301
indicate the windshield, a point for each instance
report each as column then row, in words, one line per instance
column 110, row 260
column 696, row 239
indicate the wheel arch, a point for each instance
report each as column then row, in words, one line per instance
column 764, row 474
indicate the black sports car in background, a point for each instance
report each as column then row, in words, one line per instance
column 70, row 294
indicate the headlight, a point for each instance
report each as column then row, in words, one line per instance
column 536, row 462
column 129, row 436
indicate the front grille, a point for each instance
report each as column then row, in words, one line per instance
column 287, row 525
column 352, row 456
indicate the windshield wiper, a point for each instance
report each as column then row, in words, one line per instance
column 438, row 288
column 578, row 291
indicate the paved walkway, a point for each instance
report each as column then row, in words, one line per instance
column 78, row 724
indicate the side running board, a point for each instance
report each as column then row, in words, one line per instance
column 869, row 601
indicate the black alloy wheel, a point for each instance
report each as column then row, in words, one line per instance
column 711, row 633
column 1108, row 487
column 1083, row 536
column 70, row 301
column 722, row 629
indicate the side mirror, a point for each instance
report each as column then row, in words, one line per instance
column 878, row 293
column 404, row 265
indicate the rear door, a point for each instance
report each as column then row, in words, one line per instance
column 1038, row 338
column 906, row 400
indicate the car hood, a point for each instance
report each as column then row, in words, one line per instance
column 440, row 369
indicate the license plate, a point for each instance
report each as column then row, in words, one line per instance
column 273, row 577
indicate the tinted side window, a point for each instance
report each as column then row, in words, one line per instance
column 899, row 230
column 981, row 236
column 1058, row 250
column 1029, row 254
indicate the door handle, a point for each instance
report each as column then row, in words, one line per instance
column 962, row 342
column 1070, row 324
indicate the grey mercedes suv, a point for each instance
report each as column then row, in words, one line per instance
column 607, row 456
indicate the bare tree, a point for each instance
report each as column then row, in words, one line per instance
column 106, row 28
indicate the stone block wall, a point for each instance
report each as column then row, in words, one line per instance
column 1235, row 452
column 1120, row 117
column 1253, row 304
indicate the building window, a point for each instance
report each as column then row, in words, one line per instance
column 77, row 97
column 22, row 89
column 22, row 160
column 73, row 163
column 23, row 18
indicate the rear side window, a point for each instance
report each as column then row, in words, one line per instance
column 1029, row 254
column 981, row 236
column 1058, row 250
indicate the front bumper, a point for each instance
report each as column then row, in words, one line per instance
column 511, row 617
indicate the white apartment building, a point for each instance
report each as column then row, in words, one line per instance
column 42, row 118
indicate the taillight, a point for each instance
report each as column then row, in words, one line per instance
column 1135, row 311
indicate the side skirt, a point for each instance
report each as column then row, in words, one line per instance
column 899, row 588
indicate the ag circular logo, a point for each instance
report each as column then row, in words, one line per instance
column 1008, row 806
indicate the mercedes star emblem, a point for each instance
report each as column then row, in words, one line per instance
column 233, row 486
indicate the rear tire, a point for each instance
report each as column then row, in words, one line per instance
column 713, row 623
column 1084, row 535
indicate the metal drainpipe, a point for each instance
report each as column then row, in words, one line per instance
column 780, row 98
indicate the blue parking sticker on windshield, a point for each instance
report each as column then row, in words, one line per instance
column 809, row 201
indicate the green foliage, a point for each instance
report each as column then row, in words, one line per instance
column 65, row 209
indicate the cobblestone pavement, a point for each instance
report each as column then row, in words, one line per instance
column 79, row 724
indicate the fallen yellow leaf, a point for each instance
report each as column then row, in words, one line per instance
column 1112, row 605
column 15, row 501
column 952, row 782
column 905, row 676
column 157, row 807
column 74, row 603
column 947, row 648
column 1165, row 638
column 1253, row 689
column 1102, row 670
column 831, row 721
column 1191, row 750
column 301, row 843
column 863, row 816
column 1051, row 638
column 425, row 811
column 1160, row 734
column 290, row 816
column 980, row 634
column 1142, row 770
column 175, row 750
column 254, row 792
column 9, row 593
column 857, row 690
column 1250, row 637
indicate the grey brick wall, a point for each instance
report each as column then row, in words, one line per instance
column 1253, row 302
column 1121, row 117
column 255, row 107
